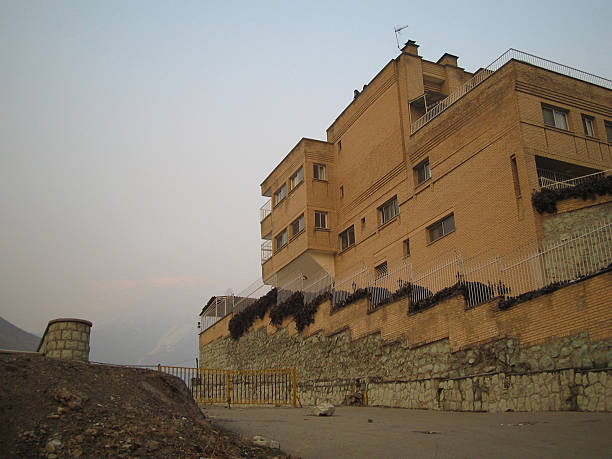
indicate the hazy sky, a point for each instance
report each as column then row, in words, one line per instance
column 134, row 135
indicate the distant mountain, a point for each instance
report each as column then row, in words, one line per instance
column 146, row 341
column 14, row 338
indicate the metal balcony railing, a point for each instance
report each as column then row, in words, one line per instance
column 482, row 75
column 266, row 251
column 265, row 210
column 556, row 180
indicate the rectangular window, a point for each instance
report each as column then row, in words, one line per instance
column 406, row 247
column 587, row 123
column 555, row 117
column 297, row 226
column 388, row 210
column 341, row 191
column 441, row 228
column 320, row 219
column 381, row 270
column 319, row 171
column 280, row 194
column 347, row 238
column 515, row 177
column 281, row 239
column 422, row 172
column 608, row 130
column 296, row 178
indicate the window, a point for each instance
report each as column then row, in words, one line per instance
column 280, row 194
column 441, row 228
column 406, row 247
column 281, row 239
column 515, row 177
column 297, row 226
column 341, row 191
column 319, row 171
column 587, row 123
column 347, row 238
column 381, row 270
column 555, row 117
column 296, row 178
column 422, row 172
column 609, row 131
column 320, row 219
column 388, row 210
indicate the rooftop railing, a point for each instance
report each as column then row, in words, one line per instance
column 485, row 73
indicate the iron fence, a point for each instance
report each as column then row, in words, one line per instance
column 349, row 285
column 238, row 387
column 585, row 253
column 317, row 288
column 383, row 287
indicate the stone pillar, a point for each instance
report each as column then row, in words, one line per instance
column 66, row 339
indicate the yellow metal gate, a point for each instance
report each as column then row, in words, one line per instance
column 239, row 387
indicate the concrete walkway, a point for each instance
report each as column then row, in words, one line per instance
column 399, row 433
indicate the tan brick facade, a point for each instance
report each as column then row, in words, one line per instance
column 484, row 153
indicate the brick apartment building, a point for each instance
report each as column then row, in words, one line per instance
column 428, row 159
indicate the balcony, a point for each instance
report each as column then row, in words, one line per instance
column 265, row 210
column 266, row 251
column 482, row 75
column 555, row 180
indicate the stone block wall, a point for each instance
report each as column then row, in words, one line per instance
column 66, row 339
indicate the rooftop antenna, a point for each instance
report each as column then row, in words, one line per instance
column 398, row 29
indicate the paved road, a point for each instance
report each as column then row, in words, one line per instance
column 399, row 433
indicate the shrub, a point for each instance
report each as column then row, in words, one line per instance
column 243, row 320
column 287, row 308
column 546, row 199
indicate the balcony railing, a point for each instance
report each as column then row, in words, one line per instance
column 266, row 251
column 265, row 210
column 557, row 180
column 482, row 75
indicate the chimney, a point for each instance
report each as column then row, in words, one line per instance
column 411, row 48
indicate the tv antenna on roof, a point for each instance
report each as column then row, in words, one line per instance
column 397, row 30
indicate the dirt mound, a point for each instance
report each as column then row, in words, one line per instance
column 62, row 409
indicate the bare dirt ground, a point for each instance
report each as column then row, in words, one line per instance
column 355, row 432
column 52, row 408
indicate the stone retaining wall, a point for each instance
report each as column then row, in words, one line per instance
column 66, row 339
column 563, row 390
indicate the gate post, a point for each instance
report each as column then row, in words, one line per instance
column 294, row 384
column 229, row 387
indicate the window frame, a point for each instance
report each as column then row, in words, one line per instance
column 299, row 173
column 350, row 231
column 276, row 239
column 277, row 201
column 608, row 126
column 316, row 172
column 554, row 111
column 324, row 215
column 588, row 122
column 442, row 226
column 300, row 227
column 425, row 167
column 381, row 270
column 389, row 204
column 406, row 247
